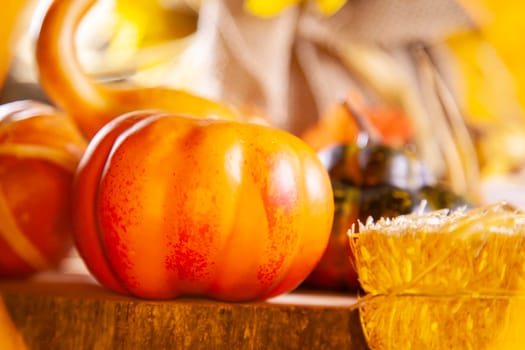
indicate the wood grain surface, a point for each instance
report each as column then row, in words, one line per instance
column 74, row 312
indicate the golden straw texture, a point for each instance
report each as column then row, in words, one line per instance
column 443, row 280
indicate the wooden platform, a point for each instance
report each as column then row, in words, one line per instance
column 73, row 312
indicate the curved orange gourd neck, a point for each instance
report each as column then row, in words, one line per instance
column 93, row 104
column 61, row 74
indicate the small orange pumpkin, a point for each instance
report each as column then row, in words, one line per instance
column 167, row 205
column 39, row 151
column 338, row 126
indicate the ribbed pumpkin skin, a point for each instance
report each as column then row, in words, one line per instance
column 167, row 205
column 39, row 151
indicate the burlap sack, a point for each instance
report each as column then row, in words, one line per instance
column 293, row 66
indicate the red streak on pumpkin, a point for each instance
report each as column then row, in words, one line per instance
column 116, row 219
column 188, row 260
column 280, row 197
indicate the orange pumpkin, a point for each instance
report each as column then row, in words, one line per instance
column 92, row 104
column 167, row 205
column 338, row 126
column 39, row 152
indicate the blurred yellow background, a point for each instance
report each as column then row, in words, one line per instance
column 491, row 76
column 11, row 12
column 144, row 23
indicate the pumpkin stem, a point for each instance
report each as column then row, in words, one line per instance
column 368, row 133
